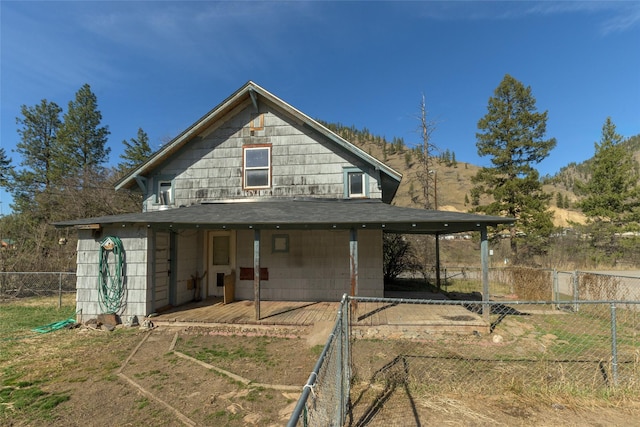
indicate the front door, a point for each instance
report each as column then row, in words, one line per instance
column 221, row 264
column 162, row 274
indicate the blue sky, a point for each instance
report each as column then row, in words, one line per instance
column 161, row 65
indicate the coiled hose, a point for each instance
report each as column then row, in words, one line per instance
column 111, row 275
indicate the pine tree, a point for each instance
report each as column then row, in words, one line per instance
column 83, row 140
column 136, row 151
column 611, row 193
column 512, row 134
column 5, row 168
column 559, row 200
column 39, row 149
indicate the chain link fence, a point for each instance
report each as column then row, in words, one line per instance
column 534, row 284
column 325, row 397
column 23, row 285
column 531, row 348
column 577, row 334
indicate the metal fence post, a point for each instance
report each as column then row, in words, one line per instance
column 554, row 284
column 59, row 290
column 614, row 346
column 339, row 367
column 574, row 282
column 347, row 359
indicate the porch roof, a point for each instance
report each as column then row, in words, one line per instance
column 301, row 214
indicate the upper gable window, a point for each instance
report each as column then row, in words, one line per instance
column 165, row 192
column 257, row 166
column 355, row 183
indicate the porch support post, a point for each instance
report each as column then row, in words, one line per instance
column 256, row 272
column 484, row 260
column 353, row 265
column 438, row 261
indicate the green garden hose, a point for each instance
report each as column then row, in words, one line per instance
column 111, row 275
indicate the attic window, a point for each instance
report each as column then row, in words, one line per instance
column 257, row 166
column 165, row 193
column 355, row 183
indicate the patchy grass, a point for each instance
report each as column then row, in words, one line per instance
column 19, row 317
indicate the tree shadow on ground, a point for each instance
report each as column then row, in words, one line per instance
column 395, row 376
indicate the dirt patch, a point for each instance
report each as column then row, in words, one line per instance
column 135, row 377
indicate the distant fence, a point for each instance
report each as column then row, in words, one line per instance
column 535, row 284
column 29, row 284
column 397, row 367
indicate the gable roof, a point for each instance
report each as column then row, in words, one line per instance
column 302, row 214
column 251, row 92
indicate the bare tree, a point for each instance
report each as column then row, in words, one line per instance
column 426, row 173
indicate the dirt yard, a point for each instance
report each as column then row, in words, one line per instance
column 228, row 377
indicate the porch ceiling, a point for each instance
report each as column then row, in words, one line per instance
column 301, row 214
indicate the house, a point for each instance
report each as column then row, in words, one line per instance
column 254, row 201
column 7, row 244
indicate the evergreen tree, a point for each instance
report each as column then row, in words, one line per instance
column 512, row 134
column 612, row 190
column 559, row 200
column 39, row 148
column 136, row 151
column 5, row 168
column 407, row 159
column 84, row 141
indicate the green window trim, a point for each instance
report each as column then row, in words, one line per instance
column 350, row 183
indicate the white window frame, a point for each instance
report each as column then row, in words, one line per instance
column 246, row 168
column 163, row 184
column 348, row 173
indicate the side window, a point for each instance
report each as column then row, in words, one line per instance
column 165, row 193
column 257, row 167
column 355, row 183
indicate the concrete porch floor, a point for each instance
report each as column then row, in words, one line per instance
column 367, row 318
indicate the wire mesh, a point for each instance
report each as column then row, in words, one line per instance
column 534, row 284
column 325, row 396
column 541, row 348
column 30, row 284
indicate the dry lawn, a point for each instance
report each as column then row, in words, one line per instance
column 199, row 376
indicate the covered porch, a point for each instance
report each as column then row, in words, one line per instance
column 371, row 319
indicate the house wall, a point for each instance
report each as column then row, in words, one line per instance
column 136, row 259
column 303, row 163
column 316, row 267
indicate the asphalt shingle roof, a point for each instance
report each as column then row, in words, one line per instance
column 302, row 214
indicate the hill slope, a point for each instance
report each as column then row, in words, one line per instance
column 454, row 179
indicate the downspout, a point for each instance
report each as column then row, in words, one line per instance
column 256, row 272
column 353, row 264
column 484, row 260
